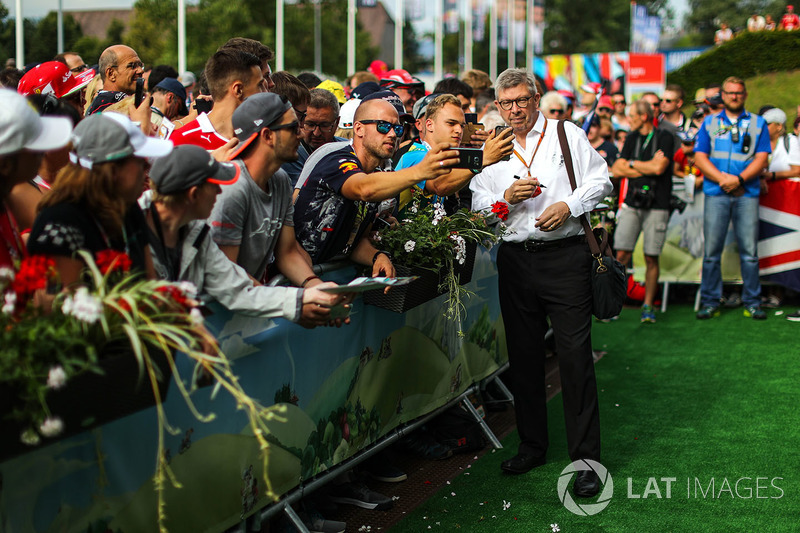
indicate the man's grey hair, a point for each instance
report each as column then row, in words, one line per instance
column 322, row 98
column 551, row 98
column 107, row 59
column 514, row 77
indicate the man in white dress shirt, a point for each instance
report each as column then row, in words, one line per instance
column 544, row 271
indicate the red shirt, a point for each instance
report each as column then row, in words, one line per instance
column 790, row 21
column 199, row 132
column 11, row 248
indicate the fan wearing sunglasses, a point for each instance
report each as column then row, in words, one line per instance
column 338, row 203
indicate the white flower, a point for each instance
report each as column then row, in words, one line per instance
column 30, row 437
column 56, row 378
column 413, row 209
column 438, row 213
column 409, row 246
column 611, row 214
column 188, row 289
column 377, row 237
column 555, row 528
column 196, row 317
column 6, row 273
column 10, row 302
column 461, row 248
column 51, row 426
column 506, row 505
column 83, row 306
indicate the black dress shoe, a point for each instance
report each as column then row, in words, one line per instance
column 521, row 463
column 587, row 484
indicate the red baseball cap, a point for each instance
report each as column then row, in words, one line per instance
column 605, row 101
column 52, row 77
column 400, row 78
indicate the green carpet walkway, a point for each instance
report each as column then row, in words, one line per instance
column 711, row 404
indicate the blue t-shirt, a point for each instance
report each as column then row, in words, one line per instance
column 415, row 154
column 727, row 155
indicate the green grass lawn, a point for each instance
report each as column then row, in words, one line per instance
column 698, row 402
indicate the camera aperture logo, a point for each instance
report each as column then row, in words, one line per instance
column 586, row 509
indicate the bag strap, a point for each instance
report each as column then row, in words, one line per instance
column 594, row 246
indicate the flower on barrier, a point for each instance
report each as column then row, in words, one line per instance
column 501, row 210
column 47, row 339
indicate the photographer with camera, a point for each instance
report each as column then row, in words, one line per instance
column 646, row 207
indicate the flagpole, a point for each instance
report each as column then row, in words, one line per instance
column 351, row 36
column 398, row 34
column 468, row 37
column 279, row 35
column 20, row 35
column 60, row 24
column 511, row 41
column 182, row 36
column 493, row 40
column 438, row 38
column 529, row 52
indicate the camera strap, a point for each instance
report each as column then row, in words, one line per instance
column 535, row 150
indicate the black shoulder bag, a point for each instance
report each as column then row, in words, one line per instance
column 609, row 280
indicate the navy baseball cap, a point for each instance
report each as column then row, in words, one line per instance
column 365, row 89
column 175, row 87
column 393, row 99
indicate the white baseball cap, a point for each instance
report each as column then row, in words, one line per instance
column 22, row 128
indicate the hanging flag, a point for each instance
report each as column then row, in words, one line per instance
column 479, row 12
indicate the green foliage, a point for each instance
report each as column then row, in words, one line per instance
column 587, row 26
column 44, row 44
column 705, row 15
column 745, row 56
column 153, row 32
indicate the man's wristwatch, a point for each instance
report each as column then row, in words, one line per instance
column 741, row 180
column 379, row 252
column 630, row 163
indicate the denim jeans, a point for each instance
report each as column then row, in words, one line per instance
column 719, row 212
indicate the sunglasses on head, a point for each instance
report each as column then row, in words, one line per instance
column 383, row 127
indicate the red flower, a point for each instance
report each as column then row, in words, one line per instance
column 501, row 210
column 113, row 261
column 34, row 274
column 175, row 294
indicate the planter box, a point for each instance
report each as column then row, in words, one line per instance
column 401, row 299
column 89, row 400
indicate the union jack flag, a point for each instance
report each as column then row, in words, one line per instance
column 779, row 234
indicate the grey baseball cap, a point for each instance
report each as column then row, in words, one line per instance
column 393, row 99
column 105, row 137
column 257, row 112
column 421, row 105
column 188, row 166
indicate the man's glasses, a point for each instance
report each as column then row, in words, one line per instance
column 618, row 102
column 555, row 111
column 522, row 103
column 133, row 65
column 295, row 125
column 79, row 68
column 668, row 100
column 323, row 126
column 383, row 127
column 607, row 109
column 734, row 93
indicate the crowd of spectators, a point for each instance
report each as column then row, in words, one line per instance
column 233, row 177
column 789, row 21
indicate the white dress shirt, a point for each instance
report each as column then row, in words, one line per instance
column 591, row 177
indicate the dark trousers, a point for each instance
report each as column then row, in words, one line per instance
column 552, row 283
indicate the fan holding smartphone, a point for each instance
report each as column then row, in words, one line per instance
column 445, row 122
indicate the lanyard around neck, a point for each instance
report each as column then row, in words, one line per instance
column 538, row 144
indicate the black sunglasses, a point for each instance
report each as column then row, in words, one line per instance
column 294, row 125
column 383, row 127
